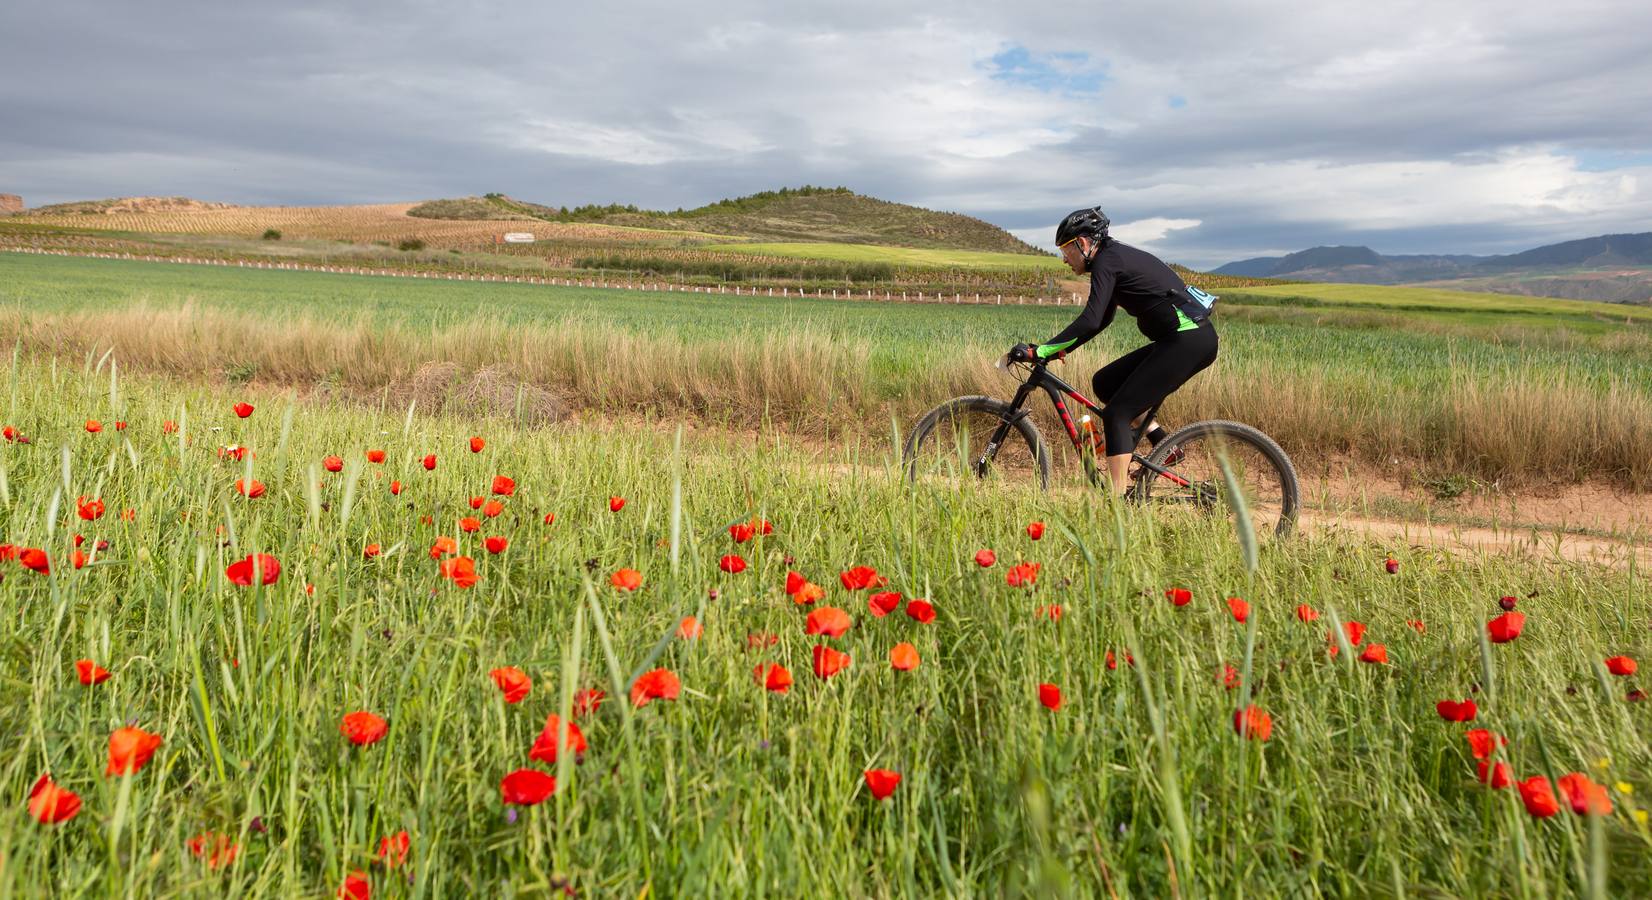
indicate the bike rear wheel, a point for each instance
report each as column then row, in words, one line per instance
column 955, row 440
column 1266, row 479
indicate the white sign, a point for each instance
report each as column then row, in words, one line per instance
column 518, row 237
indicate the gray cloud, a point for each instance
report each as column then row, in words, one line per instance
column 1414, row 127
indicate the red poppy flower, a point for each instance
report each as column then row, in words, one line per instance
column 1374, row 653
column 1452, row 711
column 526, row 787
column 985, row 558
column 1050, row 696
column 763, row 526
column 545, row 746
column 169, row 426
column 120, row 426
column 795, row 582
column 615, row 504
column 903, row 657
column 395, row 488
column 370, row 551
column 741, row 532
column 588, row 700
column 1391, row 564
column 1229, row 676
column 218, row 850
column 626, row 579
column 503, row 486
column 1506, row 627
column 355, row 887
column 1355, row 632
column 660, row 684
column 808, row 594
column 476, row 502
column 476, row 444
column 1022, row 574
column 1035, row 530
column 496, row 544
column 233, row 452
column 443, row 546
column 549, row 518
column 759, row 639
column 130, row 749
column 1051, row 612
column 732, row 564
column 267, row 567
column 883, row 603
column 470, row 524
column 860, row 578
column 492, row 508
column 243, row 409
column 363, row 728
column 514, row 682
column 1239, row 608
column 827, row 620
column 393, row 849
column 1306, row 613
column 1586, row 797
column 1500, row 775
column 1538, row 796
column 1417, row 625
column 1253, row 724
column 50, row 804
column 1481, row 742
column 94, row 426
column 375, row 456
column 1621, row 665
column 882, row 782
column 90, row 672
column 333, row 464
column 1179, row 596
column 921, row 610
column 1113, row 663
column 35, row 559
column 773, row 676
column 829, row 662
column 461, row 570
column 689, row 629
column 88, row 509
column 430, row 462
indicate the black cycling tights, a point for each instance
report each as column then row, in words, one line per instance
column 1143, row 377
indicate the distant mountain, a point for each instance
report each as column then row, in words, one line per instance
column 1612, row 267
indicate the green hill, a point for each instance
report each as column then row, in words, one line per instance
column 789, row 215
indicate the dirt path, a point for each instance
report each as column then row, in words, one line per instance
column 1528, row 540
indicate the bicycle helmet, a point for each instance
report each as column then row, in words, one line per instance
column 1091, row 223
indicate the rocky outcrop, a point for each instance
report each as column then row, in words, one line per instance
column 11, row 203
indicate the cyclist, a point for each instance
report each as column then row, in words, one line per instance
column 1173, row 316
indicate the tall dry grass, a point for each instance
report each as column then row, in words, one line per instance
column 1519, row 426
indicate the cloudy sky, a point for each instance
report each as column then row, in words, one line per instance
column 1209, row 131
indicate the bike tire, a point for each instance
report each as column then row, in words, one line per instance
column 924, row 433
column 1289, row 501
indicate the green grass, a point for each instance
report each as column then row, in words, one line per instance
column 1471, row 305
column 900, row 256
column 1137, row 785
column 1484, row 393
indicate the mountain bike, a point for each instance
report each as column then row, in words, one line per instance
column 991, row 439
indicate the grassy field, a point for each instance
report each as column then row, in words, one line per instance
column 901, row 256
column 1541, row 399
column 1480, row 308
column 1136, row 784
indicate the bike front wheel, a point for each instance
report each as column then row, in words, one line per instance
column 977, row 437
column 1191, row 460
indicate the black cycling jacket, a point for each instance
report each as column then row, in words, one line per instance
column 1140, row 283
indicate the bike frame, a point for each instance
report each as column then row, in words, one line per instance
column 1059, row 391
